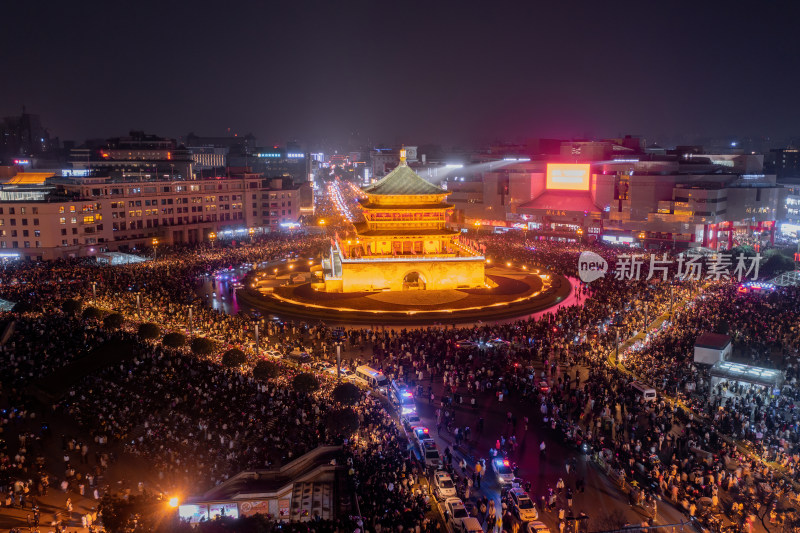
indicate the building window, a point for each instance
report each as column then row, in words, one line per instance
column 62, row 220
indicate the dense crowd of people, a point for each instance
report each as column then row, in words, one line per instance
column 197, row 422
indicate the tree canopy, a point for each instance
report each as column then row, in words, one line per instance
column 149, row 331
column 346, row 393
column 233, row 358
column 266, row 370
column 174, row 340
column 202, row 346
column 305, row 383
column 113, row 321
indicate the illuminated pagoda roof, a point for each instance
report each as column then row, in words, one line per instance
column 402, row 181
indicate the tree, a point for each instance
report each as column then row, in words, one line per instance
column 149, row 331
column 71, row 306
column 266, row 370
column 775, row 264
column 174, row 340
column 346, row 394
column 202, row 346
column 233, row 358
column 305, row 383
column 113, row 321
column 342, row 422
column 92, row 313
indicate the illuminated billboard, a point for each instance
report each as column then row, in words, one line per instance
column 568, row 177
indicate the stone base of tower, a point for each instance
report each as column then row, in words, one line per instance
column 400, row 275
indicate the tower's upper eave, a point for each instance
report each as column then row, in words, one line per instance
column 402, row 181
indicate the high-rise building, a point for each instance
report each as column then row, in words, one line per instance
column 23, row 137
column 786, row 162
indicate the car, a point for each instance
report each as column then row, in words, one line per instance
column 521, row 505
column 409, row 418
column 430, row 455
column 503, row 471
column 299, row 357
column 419, row 434
column 275, row 354
column 497, row 342
column 465, row 345
column 321, row 366
column 537, row 527
column 455, row 512
column 443, row 486
column 471, row 525
column 543, row 386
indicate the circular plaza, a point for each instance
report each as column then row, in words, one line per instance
column 287, row 290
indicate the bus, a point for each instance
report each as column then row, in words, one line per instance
column 401, row 394
column 371, row 378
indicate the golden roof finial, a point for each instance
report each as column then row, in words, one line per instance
column 403, row 155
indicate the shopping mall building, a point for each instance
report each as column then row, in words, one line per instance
column 684, row 200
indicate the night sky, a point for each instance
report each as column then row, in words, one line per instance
column 337, row 72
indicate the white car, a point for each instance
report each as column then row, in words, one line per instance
column 273, row 353
column 421, row 435
column 471, row 525
column 443, row 486
column 502, row 469
column 410, row 418
column 537, row 527
column 521, row 505
column 431, row 455
column 456, row 512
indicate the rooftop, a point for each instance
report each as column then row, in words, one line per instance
column 403, row 181
column 714, row 341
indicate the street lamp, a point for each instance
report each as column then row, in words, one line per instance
column 251, row 232
column 580, row 234
column 212, row 237
column 155, row 248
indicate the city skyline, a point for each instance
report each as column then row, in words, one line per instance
column 387, row 74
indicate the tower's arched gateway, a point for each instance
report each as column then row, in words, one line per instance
column 414, row 281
